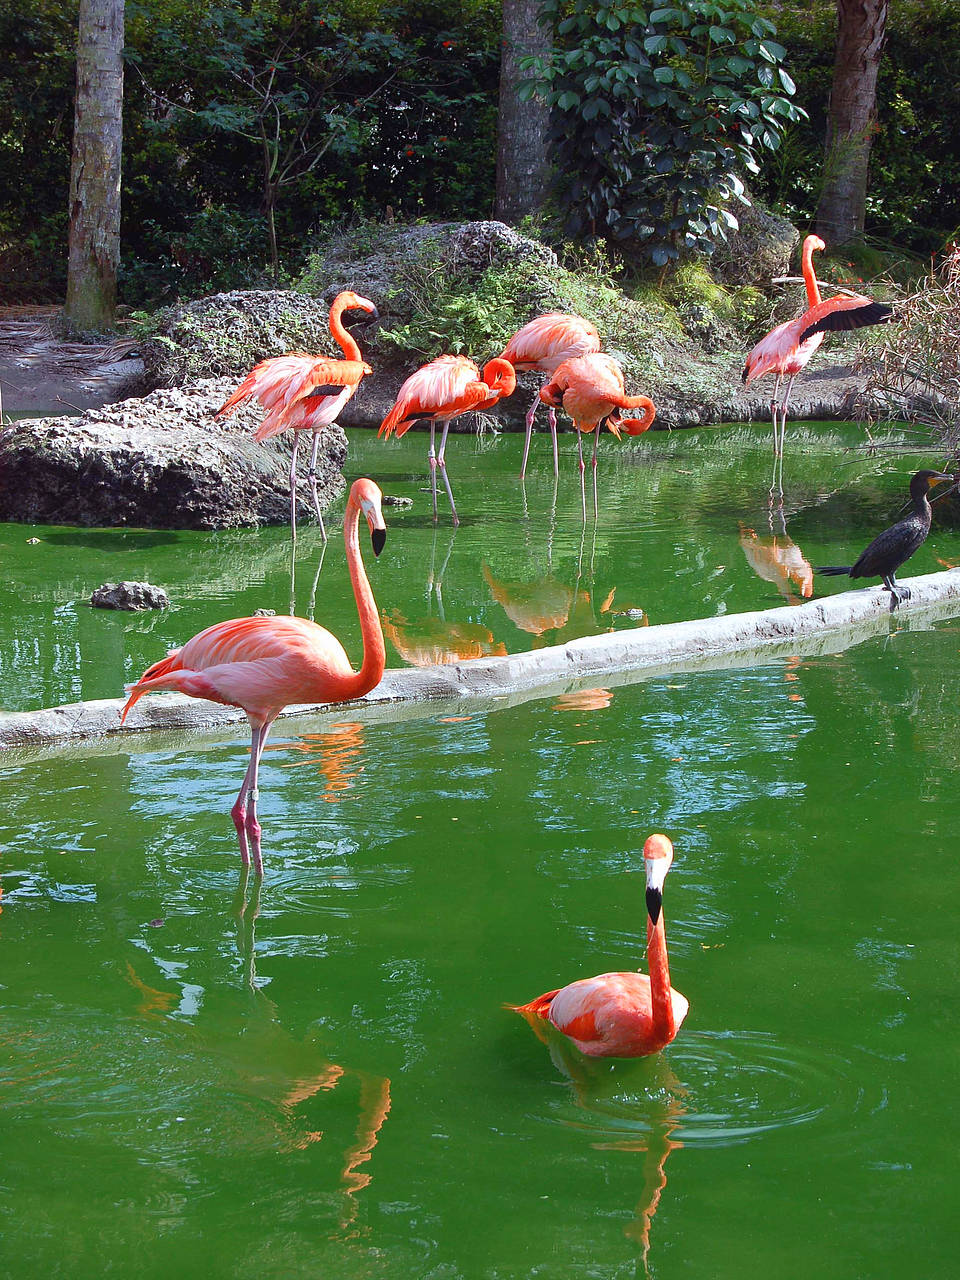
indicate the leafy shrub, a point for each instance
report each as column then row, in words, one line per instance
column 656, row 113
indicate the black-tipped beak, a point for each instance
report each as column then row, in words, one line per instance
column 654, row 904
column 379, row 539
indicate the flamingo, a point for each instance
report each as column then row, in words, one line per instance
column 789, row 347
column 543, row 344
column 264, row 664
column 440, row 391
column 622, row 1015
column 591, row 389
column 306, row 393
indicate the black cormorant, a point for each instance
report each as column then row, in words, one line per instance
column 887, row 552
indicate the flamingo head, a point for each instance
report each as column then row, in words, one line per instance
column 366, row 496
column 500, row 376
column 812, row 243
column 348, row 301
column 657, row 857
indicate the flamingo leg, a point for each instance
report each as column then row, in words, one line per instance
column 774, row 405
column 526, row 443
column 596, row 446
column 432, row 458
column 441, row 464
column 552, row 417
column 313, row 483
column 581, row 467
column 293, row 486
column 783, row 412
column 244, row 811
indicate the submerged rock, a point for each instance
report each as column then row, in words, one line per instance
column 130, row 595
column 160, row 462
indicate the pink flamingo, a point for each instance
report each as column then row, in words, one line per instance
column 622, row 1015
column 789, row 347
column 591, row 389
column 306, row 393
column 440, row 391
column 543, row 344
column 267, row 663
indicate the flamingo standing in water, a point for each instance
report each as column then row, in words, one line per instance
column 789, row 347
column 440, row 391
column 306, row 393
column 544, row 343
column 267, row 663
column 591, row 389
column 622, row 1015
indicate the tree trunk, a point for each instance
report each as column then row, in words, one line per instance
column 852, row 119
column 94, row 238
column 523, row 172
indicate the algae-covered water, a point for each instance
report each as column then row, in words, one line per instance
column 319, row 1079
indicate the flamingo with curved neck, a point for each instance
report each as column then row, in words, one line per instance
column 622, row 1015
column 592, row 390
column 439, row 392
column 788, row 348
column 306, row 393
column 264, row 664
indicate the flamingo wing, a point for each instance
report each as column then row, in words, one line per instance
column 837, row 314
column 445, row 387
column 547, row 341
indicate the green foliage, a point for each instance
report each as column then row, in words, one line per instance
column 657, row 111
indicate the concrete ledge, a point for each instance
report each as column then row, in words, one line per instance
column 623, row 657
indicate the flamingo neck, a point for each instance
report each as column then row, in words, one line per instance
column 809, row 275
column 374, row 651
column 644, row 403
column 342, row 335
column 661, row 999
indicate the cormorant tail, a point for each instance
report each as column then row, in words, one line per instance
column 833, row 570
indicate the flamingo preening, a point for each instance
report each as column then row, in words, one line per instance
column 622, row 1015
column 439, row 392
column 789, row 347
column 306, row 393
column 543, row 344
column 264, row 664
column 592, row 391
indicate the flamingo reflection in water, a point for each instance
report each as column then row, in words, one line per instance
column 653, row 1116
column 337, row 754
column 290, row 1083
column 776, row 558
column 434, row 640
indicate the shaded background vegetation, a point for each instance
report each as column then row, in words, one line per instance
column 401, row 104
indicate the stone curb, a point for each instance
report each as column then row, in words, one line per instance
column 745, row 639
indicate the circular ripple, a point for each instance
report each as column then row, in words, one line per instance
column 709, row 1088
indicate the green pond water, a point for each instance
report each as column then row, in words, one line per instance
column 319, row 1079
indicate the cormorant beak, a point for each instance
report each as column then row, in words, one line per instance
column 379, row 539
column 654, row 904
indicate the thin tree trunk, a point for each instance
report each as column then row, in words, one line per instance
column 94, row 235
column 523, row 172
column 852, row 119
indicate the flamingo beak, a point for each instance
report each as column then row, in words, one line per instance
column 654, row 904
column 657, row 869
column 379, row 539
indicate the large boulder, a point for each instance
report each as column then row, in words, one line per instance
column 160, row 462
column 760, row 250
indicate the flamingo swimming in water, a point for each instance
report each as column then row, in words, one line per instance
column 543, row 344
column 622, row 1015
column 439, row 392
column 591, row 389
column 789, row 347
column 306, row 393
column 264, row 664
